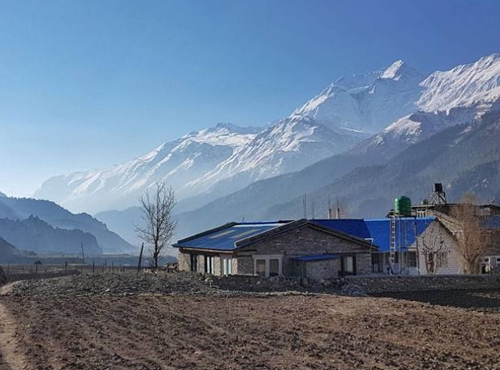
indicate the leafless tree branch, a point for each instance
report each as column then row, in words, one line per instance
column 158, row 224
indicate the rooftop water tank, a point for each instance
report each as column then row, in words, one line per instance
column 402, row 206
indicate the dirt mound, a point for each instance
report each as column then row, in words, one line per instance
column 116, row 284
column 3, row 277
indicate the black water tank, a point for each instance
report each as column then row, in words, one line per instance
column 438, row 187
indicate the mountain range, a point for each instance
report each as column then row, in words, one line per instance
column 43, row 226
column 217, row 161
column 361, row 139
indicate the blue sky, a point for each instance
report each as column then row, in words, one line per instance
column 87, row 84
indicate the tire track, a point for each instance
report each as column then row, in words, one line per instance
column 12, row 358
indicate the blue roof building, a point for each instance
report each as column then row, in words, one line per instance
column 290, row 248
column 379, row 230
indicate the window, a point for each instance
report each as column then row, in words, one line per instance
column 442, row 259
column 260, row 267
column 194, row 262
column 412, row 259
column 268, row 265
column 274, row 267
column 227, row 266
column 498, row 261
column 377, row 262
column 348, row 265
column 421, row 213
column 209, row 264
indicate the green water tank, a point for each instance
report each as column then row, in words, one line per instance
column 402, row 206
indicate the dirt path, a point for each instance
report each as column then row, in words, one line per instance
column 10, row 357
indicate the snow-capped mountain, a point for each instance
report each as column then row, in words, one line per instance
column 289, row 145
column 177, row 162
column 366, row 103
column 469, row 85
column 463, row 94
column 399, row 104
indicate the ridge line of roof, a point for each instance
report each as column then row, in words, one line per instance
column 206, row 232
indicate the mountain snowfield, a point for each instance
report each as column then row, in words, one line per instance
column 394, row 105
column 176, row 162
column 366, row 103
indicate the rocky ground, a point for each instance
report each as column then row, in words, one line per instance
column 178, row 321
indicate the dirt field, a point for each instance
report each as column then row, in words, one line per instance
column 91, row 328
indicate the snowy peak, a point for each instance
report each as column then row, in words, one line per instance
column 399, row 103
column 463, row 86
column 400, row 70
column 224, row 134
column 228, row 127
column 367, row 102
column 393, row 71
column 289, row 145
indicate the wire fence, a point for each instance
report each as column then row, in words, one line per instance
column 15, row 272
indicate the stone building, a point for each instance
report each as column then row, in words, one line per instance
column 302, row 248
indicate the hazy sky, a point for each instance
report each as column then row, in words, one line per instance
column 87, row 84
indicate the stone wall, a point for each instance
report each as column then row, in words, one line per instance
column 247, row 283
column 321, row 270
column 358, row 285
column 306, row 240
column 394, row 283
column 184, row 261
column 244, row 265
column 364, row 264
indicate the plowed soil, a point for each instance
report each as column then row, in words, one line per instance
column 207, row 331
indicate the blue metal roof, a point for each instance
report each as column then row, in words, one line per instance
column 316, row 257
column 354, row 227
column 226, row 238
column 380, row 229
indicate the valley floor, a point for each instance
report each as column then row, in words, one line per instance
column 197, row 328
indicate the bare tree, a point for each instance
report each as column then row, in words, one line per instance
column 472, row 239
column 158, row 224
column 433, row 245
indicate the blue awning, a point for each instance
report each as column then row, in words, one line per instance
column 316, row 257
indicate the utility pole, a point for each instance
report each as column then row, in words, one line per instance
column 304, row 205
column 83, row 253
column 140, row 259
